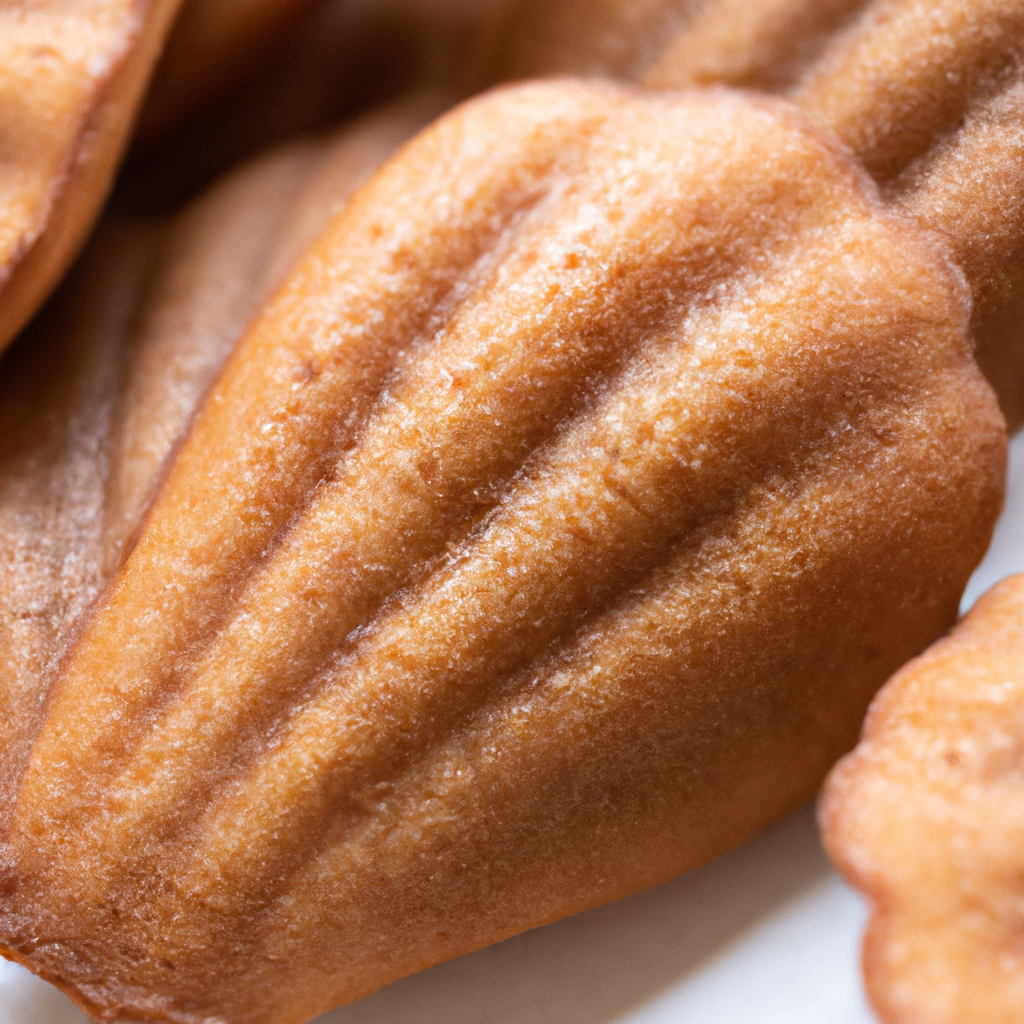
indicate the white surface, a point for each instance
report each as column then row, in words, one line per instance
column 1006, row 554
column 766, row 935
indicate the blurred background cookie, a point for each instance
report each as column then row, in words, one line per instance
column 72, row 76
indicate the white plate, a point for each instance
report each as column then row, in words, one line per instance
column 768, row 934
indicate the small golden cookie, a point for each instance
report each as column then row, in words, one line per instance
column 927, row 817
column 544, row 537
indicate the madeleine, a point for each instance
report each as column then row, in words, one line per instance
column 544, row 537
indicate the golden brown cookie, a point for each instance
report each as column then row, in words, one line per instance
column 546, row 536
column 99, row 390
column 929, row 96
column 927, row 817
column 72, row 73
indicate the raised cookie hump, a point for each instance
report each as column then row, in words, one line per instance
column 544, row 537
column 929, row 96
column 927, row 817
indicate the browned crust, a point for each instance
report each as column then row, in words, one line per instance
column 99, row 390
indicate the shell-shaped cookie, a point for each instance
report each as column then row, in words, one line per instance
column 545, row 536
column 927, row 817
column 72, row 73
column 929, row 96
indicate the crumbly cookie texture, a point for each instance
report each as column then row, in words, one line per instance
column 100, row 389
column 72, row 76
column 929, row 96
column 545, row 536
column 927, row 817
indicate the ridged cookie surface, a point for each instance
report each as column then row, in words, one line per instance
column 99, row 390
column 545, row 536
column 928, row 95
